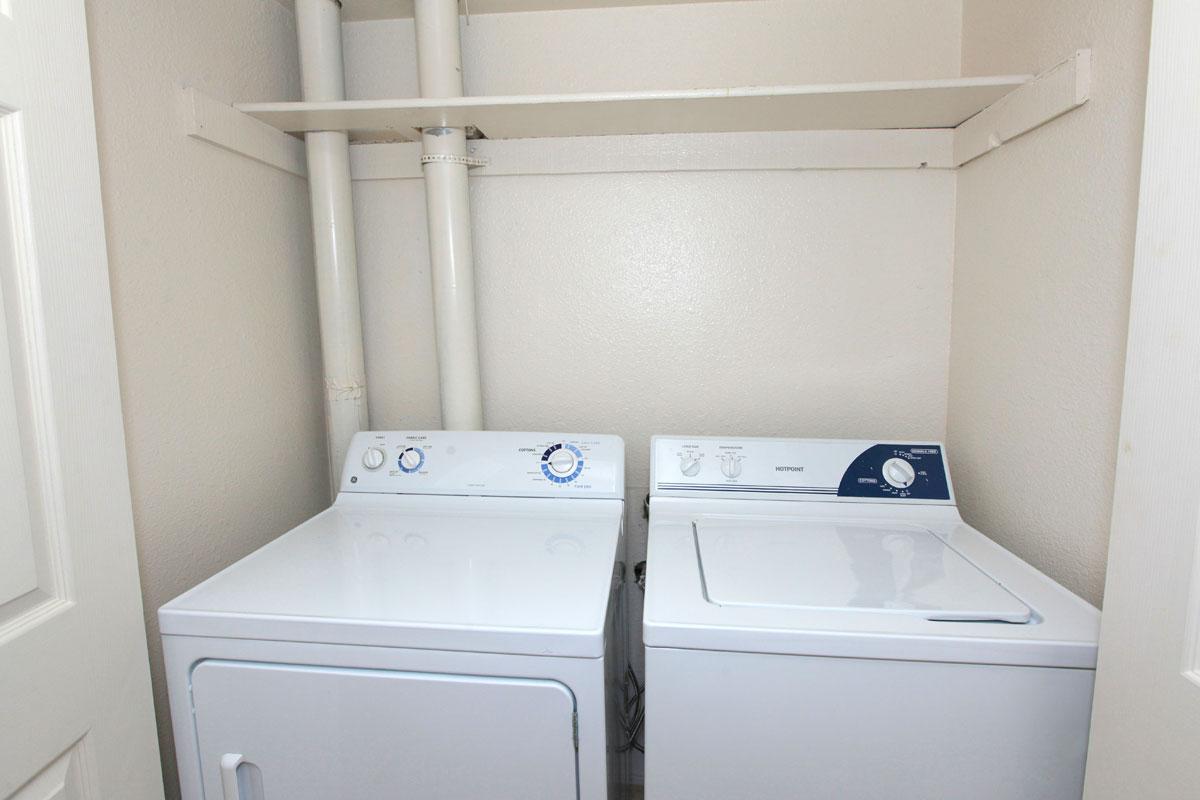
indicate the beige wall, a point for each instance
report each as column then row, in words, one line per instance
column 213, row 294
column 672, row 47
column 1043, row 259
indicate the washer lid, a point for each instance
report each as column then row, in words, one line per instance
column 832, row 565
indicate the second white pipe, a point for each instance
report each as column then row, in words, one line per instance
column 319, row 30
column 447, row 203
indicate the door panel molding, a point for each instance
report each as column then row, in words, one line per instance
column 35, row 472
column 66, row 778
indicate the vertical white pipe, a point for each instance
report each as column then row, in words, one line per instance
column 447, row 202
column 319, row 30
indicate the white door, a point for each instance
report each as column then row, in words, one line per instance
column 1146, row 721
column 75, row 714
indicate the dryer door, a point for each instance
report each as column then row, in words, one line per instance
column 286, row 732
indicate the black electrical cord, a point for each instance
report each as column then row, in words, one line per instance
column 634, row 713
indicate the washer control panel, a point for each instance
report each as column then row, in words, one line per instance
column 800, row 469
column 488, row 463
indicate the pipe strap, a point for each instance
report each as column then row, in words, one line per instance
column 447, row 158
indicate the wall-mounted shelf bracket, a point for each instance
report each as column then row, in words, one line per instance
column 1056, row 91
column 212, row 121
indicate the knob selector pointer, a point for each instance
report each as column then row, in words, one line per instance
column 562, row 462
column 412, row 459
column 374, row 458
column 899, row 473
column 731, row 466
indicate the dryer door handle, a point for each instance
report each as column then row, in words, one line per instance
column 229, row 777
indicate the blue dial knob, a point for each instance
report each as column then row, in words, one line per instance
column 412, row 459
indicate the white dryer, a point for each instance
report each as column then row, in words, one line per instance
column 445, row 630
column 821, row 624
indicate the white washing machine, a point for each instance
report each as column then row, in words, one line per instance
column 821, row 624
column 445, row 630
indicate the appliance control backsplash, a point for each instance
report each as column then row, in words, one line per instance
column 488, row 463
column 800, row 469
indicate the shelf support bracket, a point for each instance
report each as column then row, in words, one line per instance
column 1048, row 96
column 210, row 120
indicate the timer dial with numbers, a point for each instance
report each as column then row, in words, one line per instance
column 562, row 462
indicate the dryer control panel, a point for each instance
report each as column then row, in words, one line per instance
column 800, row 469
column 488, row 463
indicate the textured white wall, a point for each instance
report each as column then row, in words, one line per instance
column 1043, row 259
column 213, row 294
column 762, row 303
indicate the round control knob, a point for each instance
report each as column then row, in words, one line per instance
column 412, row 459
column 561, row 461
column 731, row 466
column 374, row 457
column 899, row 473
column 689, row 464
